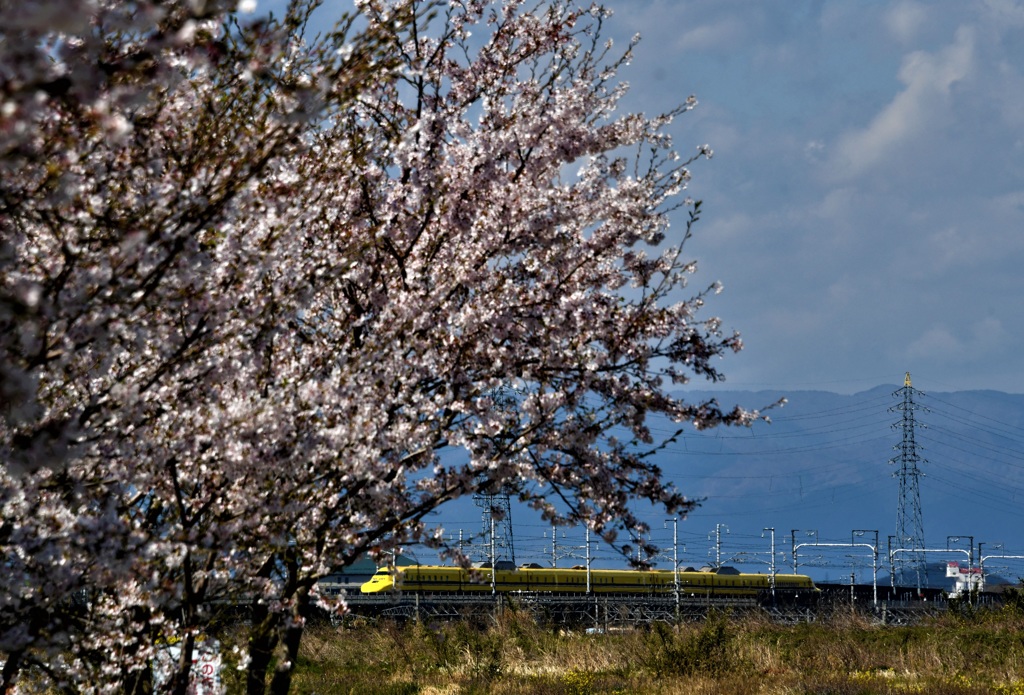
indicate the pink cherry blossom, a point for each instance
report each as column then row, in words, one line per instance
column 254, row 285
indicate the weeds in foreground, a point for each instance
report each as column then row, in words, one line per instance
column 847, row 655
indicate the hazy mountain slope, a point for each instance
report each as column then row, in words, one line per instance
column 820, row 466
column 823, row 465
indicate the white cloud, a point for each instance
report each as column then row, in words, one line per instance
column 814, row 150
column 913, row 112
column 729, row 227
column 905, row 19
column 838, row 203
column 714, row 36
column 978, row 244
column 1009, row 205
column 944, row 346
column 1007, row 11
column 937, row 343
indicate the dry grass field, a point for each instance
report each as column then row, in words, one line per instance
column 960, row 653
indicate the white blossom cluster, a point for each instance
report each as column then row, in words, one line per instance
column 253, row 285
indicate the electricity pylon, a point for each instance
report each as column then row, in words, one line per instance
column 497, row 524
column 496, row 504
column 909, row 523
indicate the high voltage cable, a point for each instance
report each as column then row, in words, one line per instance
column 1014, row 428
column 805, row 505
column 858, row 406
column 775, row 452
column 809, row 491
column 991, row 446
column 861, row 406
column 966, row 490
column 752, row 434
column 755, row 433
column 1017, row 437
column 768, row 476
column 981, row 456
column 961, row 487
column 846, row 426
column 973, row 475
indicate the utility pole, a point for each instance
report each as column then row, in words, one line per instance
column 554, row 546
column 874, row 559
column 971, row 583
column 792, row 549
column 718, row 543
column 771, row 564
column 909, row 524
column 588, row 559
column 892, row 570
column 970, row 547
column 494, row 578
column 675, row 559
column 797, row 546
column 981, row 563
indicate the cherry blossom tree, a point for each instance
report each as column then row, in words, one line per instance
column 261, row 291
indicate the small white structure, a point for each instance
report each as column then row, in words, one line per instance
column 205, row 678
column 968, row 579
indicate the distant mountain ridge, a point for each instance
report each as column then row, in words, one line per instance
column 822, row 466
column 820, row 469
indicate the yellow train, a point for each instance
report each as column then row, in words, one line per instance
column 721, row 582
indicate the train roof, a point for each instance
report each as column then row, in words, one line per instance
column 725, row 569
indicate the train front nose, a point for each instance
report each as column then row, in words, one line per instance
column 381, row 581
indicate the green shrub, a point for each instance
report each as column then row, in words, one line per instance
column 705, row 651
column 1014, row 599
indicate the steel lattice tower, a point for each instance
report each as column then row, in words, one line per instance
column 909, row 524
column 496, row 505
column 497, row 520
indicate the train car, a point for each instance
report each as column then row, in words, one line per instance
column 721, row 582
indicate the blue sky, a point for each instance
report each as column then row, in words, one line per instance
column 864, row 209
column 865, row 205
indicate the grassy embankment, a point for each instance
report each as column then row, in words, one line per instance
column 963, row 652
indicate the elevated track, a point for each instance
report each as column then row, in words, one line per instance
column 610, row 611
column 602, row 610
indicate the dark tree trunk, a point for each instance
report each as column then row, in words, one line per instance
column 282, row 682
column 262, row 641
column 10, row 673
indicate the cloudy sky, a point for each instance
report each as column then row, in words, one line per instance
column 865, row 204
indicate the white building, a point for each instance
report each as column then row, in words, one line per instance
column 968, row 579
